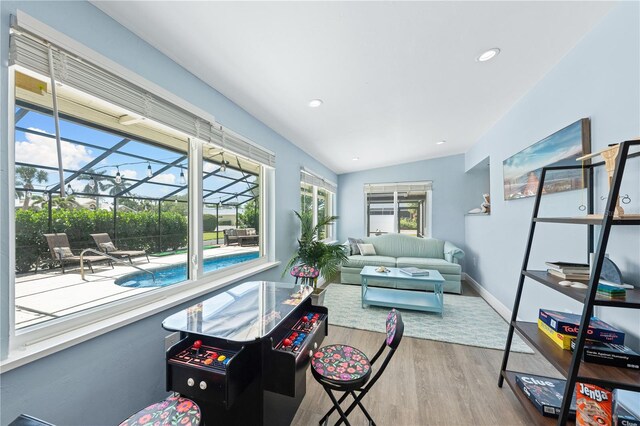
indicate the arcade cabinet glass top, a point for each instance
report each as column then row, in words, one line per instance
column 243, row 313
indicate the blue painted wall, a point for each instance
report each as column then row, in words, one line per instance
column 599, row 78
column 101, row 381
column 449, row 197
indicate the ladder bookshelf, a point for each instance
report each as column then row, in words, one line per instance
column 570, row 364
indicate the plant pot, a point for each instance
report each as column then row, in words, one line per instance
column 317, row 299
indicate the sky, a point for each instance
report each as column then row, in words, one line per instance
column 564, row 144
column 40, row 150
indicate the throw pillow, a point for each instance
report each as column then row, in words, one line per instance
column 367, row 249
column 353, row 243
column 107, row 247
column 63, row 252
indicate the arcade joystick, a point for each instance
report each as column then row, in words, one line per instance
column 286, row 342
column 196, row 345
column 305, row 319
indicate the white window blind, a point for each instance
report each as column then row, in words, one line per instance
column 409, row 187
column 31, row 52
column 312, row 179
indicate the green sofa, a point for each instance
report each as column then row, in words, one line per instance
column 398, row 250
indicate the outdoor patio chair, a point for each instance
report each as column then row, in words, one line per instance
column 104, row 243
column 61, row 252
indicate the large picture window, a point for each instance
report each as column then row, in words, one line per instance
column 398, row 208
column 109, row 204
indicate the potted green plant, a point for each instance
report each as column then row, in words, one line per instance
column 315, row 253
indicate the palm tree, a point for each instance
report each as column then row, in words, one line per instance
column 64, row 203
column 116, row 188
column 327, row 258
column 101, row 183
column 25, row 177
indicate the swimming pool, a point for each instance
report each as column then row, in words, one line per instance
column 176, row 273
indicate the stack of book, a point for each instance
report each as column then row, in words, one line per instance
column 562, row 328
column 611, row 292
column 569, row 270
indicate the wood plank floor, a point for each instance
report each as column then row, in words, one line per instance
column 430, row 383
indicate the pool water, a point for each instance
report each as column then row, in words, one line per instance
column 176, row 273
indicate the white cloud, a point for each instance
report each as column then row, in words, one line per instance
column 41, row 150
column 127, row 173
column 164, row 178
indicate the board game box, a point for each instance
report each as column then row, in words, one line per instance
column 567, row 323
column 562, row 340
column 626, row 408
column 593, row 405
column 545, row 393
column 610, row 354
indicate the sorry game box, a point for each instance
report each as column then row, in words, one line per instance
column 545, row 393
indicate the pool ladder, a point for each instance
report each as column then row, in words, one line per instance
column 113, row 259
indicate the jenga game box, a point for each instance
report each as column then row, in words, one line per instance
column 593, row 405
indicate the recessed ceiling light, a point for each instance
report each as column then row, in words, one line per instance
column 355, row 158
column 488, row 55
column 440, row 142
column 315, row 103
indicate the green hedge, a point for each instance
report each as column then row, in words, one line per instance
column 209, row 222
column 135, row 231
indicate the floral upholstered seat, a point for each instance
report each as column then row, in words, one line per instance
column 173, row 411
column 342, row 368
column 305, row 271
column 341, row 365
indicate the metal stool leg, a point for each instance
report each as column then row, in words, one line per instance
column 355, row 403
column 326, row 416
column 336, row 404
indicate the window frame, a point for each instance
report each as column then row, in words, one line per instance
column 36, row 341
column 427, row 214
column 331, row 211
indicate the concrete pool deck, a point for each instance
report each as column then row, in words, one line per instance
column 50, row 294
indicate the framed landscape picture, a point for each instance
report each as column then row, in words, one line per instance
column 522, row 171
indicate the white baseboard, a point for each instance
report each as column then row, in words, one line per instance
column 497, row 305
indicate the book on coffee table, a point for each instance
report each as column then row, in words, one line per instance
column 414, row 272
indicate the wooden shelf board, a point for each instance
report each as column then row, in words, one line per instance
column 632, row 300
column 538, row 419
column 593, row 220
column 589, row 372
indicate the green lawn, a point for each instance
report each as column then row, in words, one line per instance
column 212, row 235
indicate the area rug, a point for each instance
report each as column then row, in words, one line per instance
column 467, row 320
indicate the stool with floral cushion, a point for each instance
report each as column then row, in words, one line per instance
column 343, row 368
column 173, row 411
column 307, row 274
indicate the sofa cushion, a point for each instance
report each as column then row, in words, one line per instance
column 367, row 249
column 359, row 261
column 353, row 245
column 440, row 265
column 400, row 245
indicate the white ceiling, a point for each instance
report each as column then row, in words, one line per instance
column 395, row 77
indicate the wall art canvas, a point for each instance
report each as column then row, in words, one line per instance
column 522, row 171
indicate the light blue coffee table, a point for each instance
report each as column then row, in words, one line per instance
column 399, row 298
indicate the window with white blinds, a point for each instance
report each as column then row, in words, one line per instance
column 33, row 53
column 377, row 188
column 313, row 179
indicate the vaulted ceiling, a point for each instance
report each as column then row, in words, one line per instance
column 395, row 77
